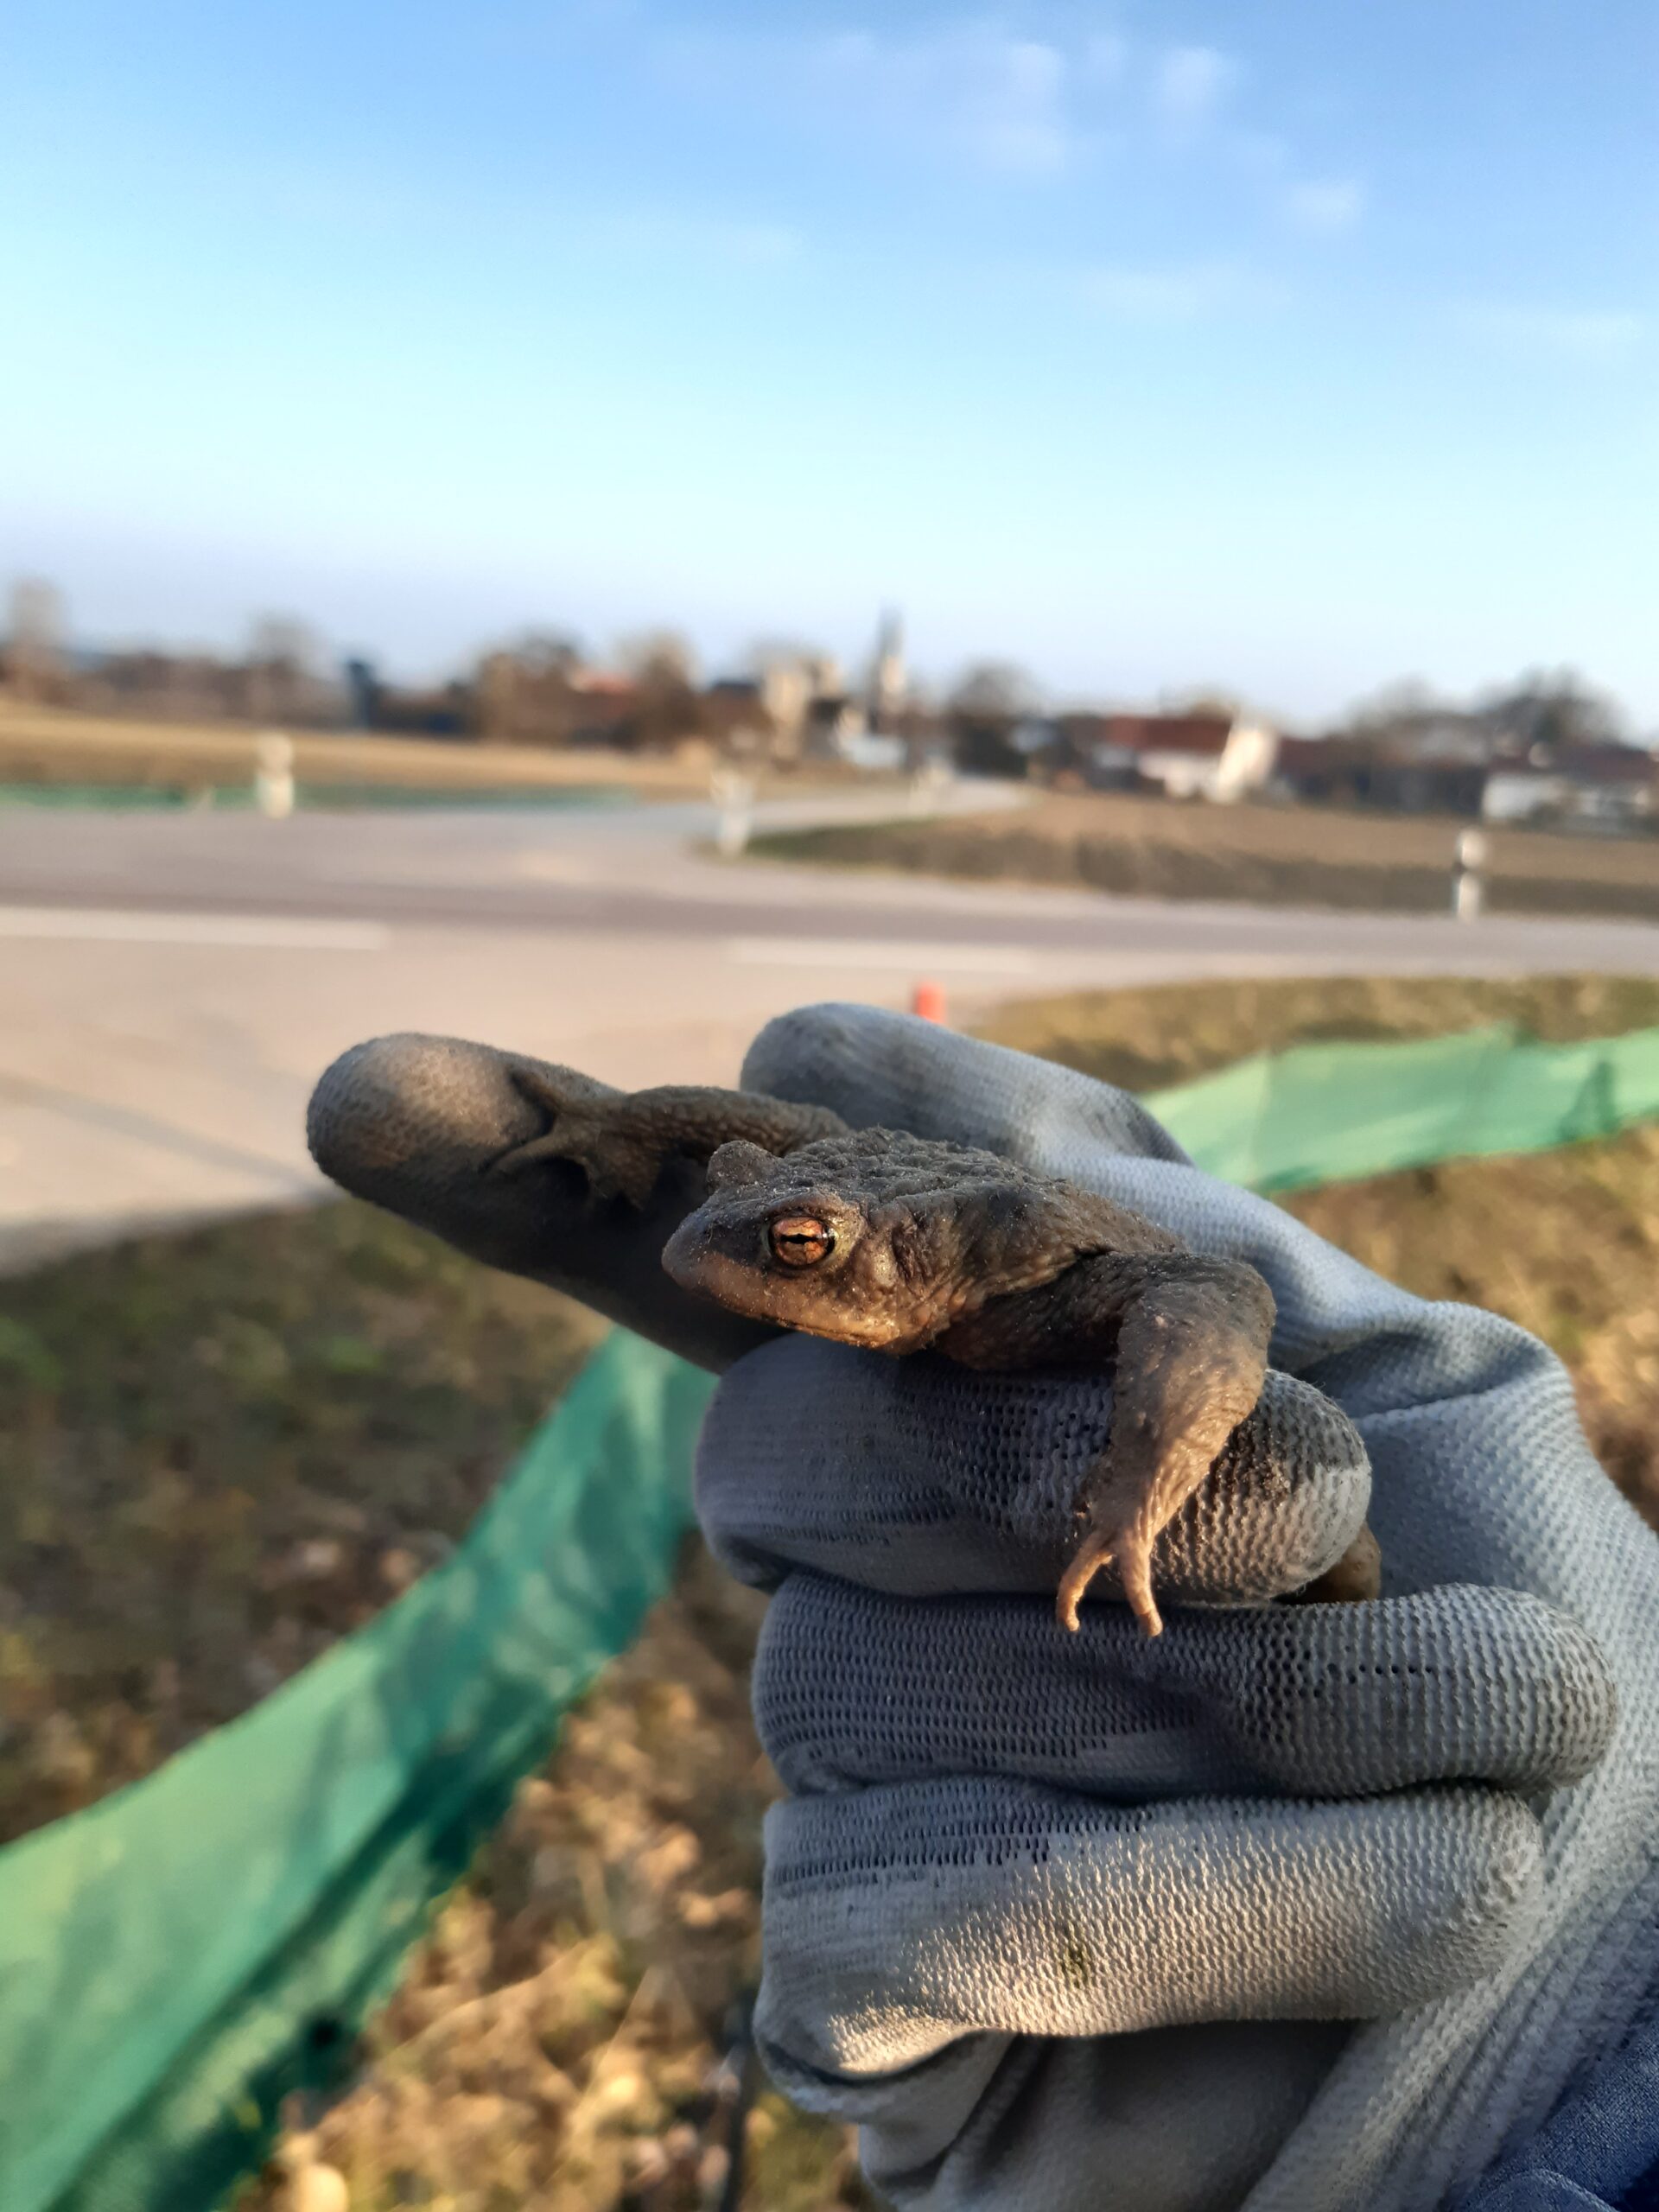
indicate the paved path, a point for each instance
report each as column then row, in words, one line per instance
column 171, row 985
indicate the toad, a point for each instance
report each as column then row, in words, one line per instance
column 899, row 1243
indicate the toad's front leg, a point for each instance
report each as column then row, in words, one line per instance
column 1191, row 1355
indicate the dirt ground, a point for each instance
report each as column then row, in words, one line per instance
column 1269, row 856
column 226, row 1450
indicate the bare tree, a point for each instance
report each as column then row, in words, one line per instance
column 1558, row 708
column 993, row 690
column 548, row 651
column 990, row 700
column 526, row 693
column 282, row 664
column 658, row 656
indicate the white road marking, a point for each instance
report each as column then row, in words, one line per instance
column 119, row 926
column 873, row 953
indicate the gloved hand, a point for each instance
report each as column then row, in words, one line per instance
column 1075, row 1921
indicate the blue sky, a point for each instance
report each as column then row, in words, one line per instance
column 1296, row 345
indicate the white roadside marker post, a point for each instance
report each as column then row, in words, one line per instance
column 273, row 775
column 1468, row 882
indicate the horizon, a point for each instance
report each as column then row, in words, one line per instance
column 1293, row 355
column 926, row 687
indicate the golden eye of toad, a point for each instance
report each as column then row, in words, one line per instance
column 801, row 1240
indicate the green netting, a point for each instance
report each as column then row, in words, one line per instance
column 174, row 1961
column 1326, row 1113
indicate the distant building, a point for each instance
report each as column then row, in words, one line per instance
column 33, row 661
column 1523, row 794
column 602, row 703
column 784, row 689
column 834, row 725
column 737, row 715
column 1393, row 776
column 1607, row 786
column 1472, row 767
column 1205, row 754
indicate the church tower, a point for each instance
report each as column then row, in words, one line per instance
column 889, row 686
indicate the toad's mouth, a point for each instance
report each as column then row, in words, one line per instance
column 789, row 1298
column 698, row 1265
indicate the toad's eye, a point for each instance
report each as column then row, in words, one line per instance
column 801, row 1240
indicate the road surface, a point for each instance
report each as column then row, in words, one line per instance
column 170, row 985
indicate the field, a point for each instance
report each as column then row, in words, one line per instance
column 44, row 746
column 224, row 1450
column 1271, row 855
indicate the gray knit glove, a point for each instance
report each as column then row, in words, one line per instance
column 1063, row 1920
column 1072, row 1922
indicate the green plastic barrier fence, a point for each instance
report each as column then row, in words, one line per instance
column 1327, row 1113
column 176, row 1959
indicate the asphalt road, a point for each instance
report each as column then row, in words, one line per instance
column 171, row 984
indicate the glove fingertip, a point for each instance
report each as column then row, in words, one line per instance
column 411, row 1103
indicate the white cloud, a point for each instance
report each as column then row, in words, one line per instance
column 977, row 91
column 1000, row 99
column 1181, row 294
column 1191, row 85
column 1325, row 206
column 1591, row 335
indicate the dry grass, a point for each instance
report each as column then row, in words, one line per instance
column 1167, row 1033
column 223, row 1452
column 226, row 1449
column 553, row 2042
column 44, row 745
column 50, row 745
column 1271, row 855
column 1565, row 1243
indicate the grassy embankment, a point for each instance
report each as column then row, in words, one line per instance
column 226, row 1449
column 1267, row 855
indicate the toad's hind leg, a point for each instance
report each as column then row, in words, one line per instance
column 1191, row 1357
column 622, row 1139
column 592, row 1127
